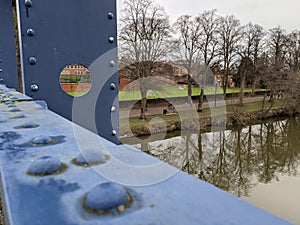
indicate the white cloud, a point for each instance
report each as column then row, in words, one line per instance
column 268, row 13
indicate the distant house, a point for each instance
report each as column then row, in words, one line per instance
column 218, row 81
column 74, row 70
column 75, row 78
column 218, row 77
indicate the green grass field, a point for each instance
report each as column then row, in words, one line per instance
column 173, row 92
column 77, row 94
column 170, row 92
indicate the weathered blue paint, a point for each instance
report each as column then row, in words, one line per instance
column 58, row 199
column 8, row 60
column 57, row 33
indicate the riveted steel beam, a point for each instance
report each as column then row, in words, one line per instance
column 58, row 33
column 8, row 64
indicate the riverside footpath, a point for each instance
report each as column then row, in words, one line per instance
column 157, row 109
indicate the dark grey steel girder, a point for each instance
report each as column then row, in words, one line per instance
column 8, row 64
column 56, row 33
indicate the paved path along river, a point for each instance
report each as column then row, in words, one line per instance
column 158, row 109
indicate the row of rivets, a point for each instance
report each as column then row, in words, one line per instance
column 30, row 32
column 111, row 16
column 112, row 64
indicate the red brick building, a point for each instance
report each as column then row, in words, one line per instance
column 74, row 70
column 75, row 78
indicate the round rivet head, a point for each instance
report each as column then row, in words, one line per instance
column 112, row 63
column 1, row 70
column 45, row 166
column 11, row 105
column 113, row 109
column 8, row 102
column 110, row 15
column 42, row 140
column 1, row 80
column 28, row 125
column 113, row 86
column 106, row 196
column 32, row 60
column 34, row 87
column 30, row 32
column 90, row 157
column 28, row 3
column 111, row 39
column 15, row 110
column 19, row 116
column 114, row 133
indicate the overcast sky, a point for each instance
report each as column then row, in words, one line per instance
column 267, row 13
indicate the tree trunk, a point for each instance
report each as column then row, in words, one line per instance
column 201, row 173
column 224, row 84
column 253, row 87
column 224, row 89
column 263, row 103
column 189, row 97
column 143, row 104
column 271, row 96
column 200, row 105
column 242, row 91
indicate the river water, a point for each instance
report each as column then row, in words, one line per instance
column 258, row 163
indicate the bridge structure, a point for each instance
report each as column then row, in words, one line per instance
column 60, row 158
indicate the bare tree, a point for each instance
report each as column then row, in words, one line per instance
column 258, row 46
column 277, row 52
column 293, row 51
column 229, row 33
column 277, row 47
column 187, row 44
column 251, row 47
column 144, row 41
column 208, row 47
column 208, row 40
column 246, row 70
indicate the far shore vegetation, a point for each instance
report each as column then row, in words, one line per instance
column 237, row 115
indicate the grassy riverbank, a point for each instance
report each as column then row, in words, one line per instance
column 233, row 114
column 177, row 92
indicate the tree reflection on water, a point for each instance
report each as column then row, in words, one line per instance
column 235, row 160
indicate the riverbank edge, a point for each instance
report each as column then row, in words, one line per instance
column 228, row 121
